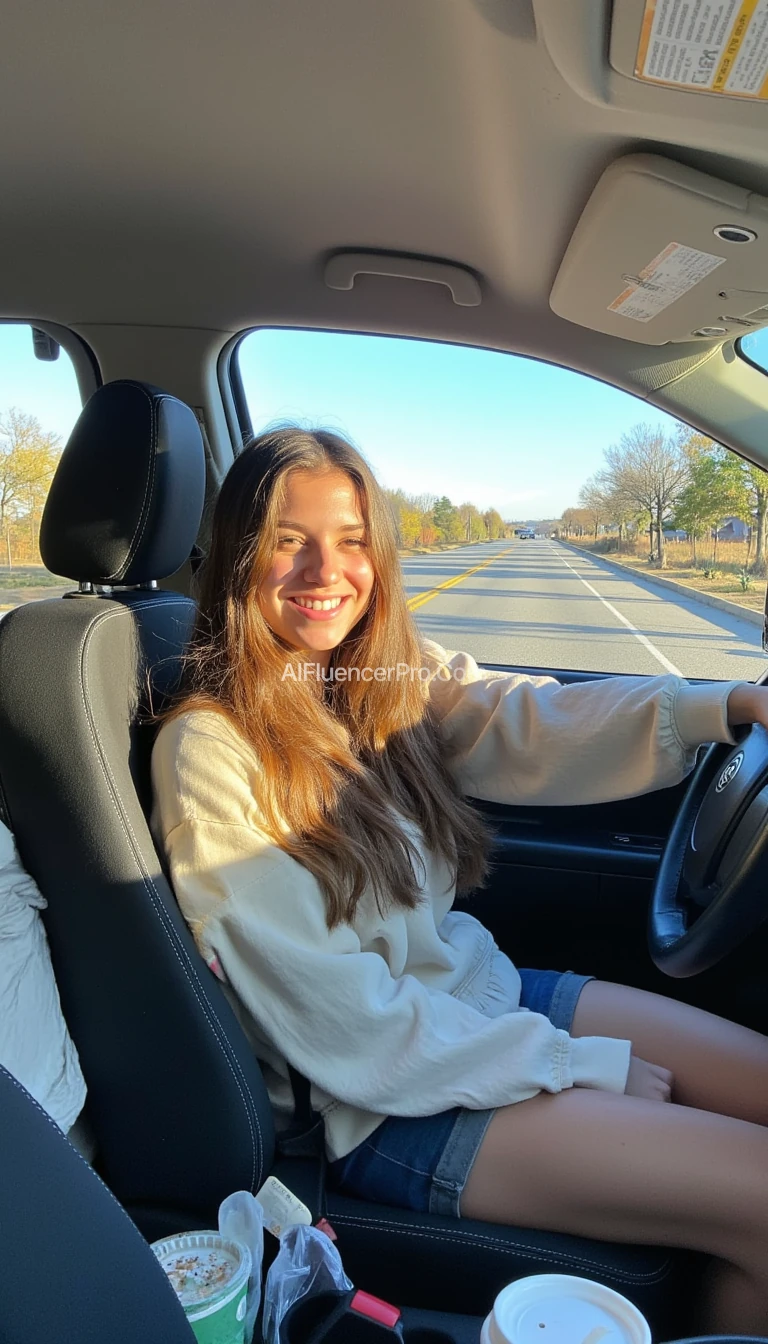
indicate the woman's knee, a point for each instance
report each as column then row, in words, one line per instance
column 717, row 1065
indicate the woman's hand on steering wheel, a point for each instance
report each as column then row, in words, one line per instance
column 748, row 704
column 709, row 892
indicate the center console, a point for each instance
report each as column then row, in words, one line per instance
column 356, row 1318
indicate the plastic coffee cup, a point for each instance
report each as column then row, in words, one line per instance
column 563, row 1309
column 210, row 1276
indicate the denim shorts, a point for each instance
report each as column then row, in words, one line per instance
column 422, row 1163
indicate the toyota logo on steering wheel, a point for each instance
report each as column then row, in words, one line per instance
column 730, row 772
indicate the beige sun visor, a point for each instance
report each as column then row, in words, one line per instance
column 664, row 253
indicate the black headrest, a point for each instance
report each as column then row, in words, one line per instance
column 127, row 498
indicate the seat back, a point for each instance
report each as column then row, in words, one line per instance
column 69, row 1252
column 176, row 1099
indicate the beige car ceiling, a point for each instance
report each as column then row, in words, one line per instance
column 195, row 165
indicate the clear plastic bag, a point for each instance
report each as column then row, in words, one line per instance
column 241, row 1218
column 307, row 1262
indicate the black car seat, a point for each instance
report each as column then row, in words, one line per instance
column 176, row 1099
column 74, row 1266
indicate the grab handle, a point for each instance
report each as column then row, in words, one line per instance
column 341, row 271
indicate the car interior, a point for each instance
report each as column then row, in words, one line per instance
column 485, row 173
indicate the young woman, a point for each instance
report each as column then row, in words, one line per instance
column 309, row 788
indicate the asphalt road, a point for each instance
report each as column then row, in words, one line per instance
column 540, row 604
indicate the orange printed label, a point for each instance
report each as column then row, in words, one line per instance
column 705, row 46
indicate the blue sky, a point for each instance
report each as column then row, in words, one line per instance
column 502, row 431
column 48, row 391
column 498, row 430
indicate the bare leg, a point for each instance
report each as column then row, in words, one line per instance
column 618, row 1168
column 717, row 1066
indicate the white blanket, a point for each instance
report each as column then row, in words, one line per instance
column 35, row 1045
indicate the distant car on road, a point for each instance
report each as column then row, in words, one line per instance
column 527, row 534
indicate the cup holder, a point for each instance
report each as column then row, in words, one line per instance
column 438, row 1327
column 325, row 1319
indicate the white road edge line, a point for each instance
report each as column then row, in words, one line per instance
column 637, row 633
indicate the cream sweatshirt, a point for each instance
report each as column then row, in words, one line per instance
column 411, row 1012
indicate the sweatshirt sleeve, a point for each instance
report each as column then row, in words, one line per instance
column 387, row 1045
column 528, row 740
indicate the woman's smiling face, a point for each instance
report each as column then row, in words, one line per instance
column 321, row 578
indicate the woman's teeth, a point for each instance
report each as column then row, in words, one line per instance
column 329, row 604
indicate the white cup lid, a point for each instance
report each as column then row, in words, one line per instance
column 563, row 1309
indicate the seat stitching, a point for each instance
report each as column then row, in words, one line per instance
column 146, row 878
column 147, row 491
column 461, row 1238
column 207, row 1008
column 135, row 545
column 77, row 1154
column 189, row 971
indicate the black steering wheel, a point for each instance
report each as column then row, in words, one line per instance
column 711, row 889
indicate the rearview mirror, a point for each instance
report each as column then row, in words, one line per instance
column 44, row 346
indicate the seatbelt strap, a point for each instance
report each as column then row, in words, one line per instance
column 305, row 1138
column 304, row 1118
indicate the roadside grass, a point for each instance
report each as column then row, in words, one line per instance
column 439, row 546
column 720, row 575
column 29, row 576
column 29, row 583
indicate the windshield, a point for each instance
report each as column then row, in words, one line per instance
column 545, row 519
column 754, row 347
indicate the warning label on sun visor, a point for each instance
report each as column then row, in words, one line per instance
column 670, row 275
column 709, row 46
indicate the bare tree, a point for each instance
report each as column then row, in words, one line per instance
column 621, row 512
column 757, row 486
column 650, row 470
column 574, row 522
column 592, row 498
column 424, row 503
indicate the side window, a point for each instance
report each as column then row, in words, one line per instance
column 39, row 404
column 546, row 520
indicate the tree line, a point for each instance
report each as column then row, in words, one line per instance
column 426, row 520
column 29, row 456
column 655, row 482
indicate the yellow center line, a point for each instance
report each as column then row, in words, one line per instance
column 421, row 599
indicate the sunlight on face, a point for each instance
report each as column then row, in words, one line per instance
column 321, row 578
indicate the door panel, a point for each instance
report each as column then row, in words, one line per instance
column 554, row 919
column 570, row 888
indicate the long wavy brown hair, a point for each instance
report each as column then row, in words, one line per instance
column 337, row 758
